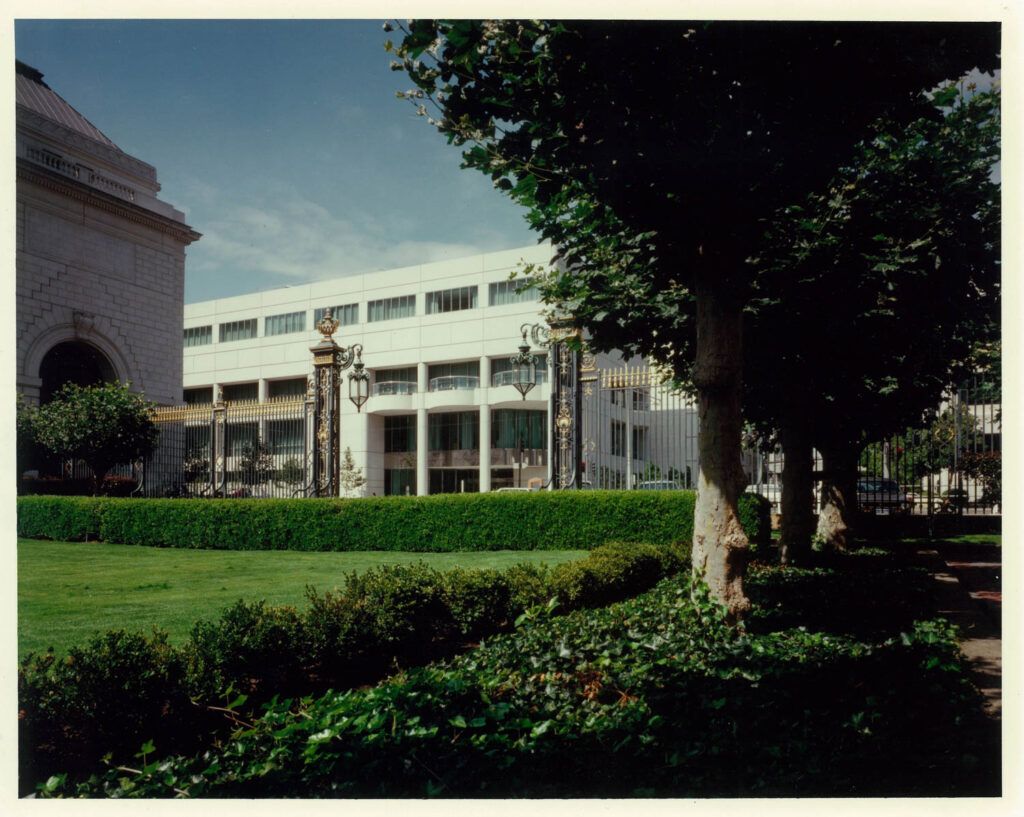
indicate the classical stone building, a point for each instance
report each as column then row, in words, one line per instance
column 100, row 258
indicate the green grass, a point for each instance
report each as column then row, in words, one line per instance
column 67, row 592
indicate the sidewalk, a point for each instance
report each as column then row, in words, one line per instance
column 969, row 594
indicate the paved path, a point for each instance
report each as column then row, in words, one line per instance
column 969, row 594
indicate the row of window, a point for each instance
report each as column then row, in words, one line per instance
column 460, row 430
column 384, row 309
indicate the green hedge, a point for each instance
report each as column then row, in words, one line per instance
column 433, row 524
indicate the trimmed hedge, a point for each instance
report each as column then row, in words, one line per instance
column 449, row 522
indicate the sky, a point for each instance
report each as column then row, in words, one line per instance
column 282, row 141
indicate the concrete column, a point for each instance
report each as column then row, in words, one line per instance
column 422, row 472
column 485, row 425
column 422, row 426
column 263, row 389
column 485, row 447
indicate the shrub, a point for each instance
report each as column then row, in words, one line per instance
column 252, row 647
column 400, row 607
column 68, row 519
column 611, row 573
column 478, row 601
column 651, row 697
column 104, row 697
column 557, row 520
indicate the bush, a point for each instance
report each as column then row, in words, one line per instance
column 104, row 697
column 611, row 573
column 68, row 519
column 557, row 520
column 651, row 697
column 478, row 601
column 399, row 614
column 251, row 648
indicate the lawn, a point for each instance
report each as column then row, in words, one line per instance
column 69, row 591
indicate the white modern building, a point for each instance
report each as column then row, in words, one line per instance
column 437, row 340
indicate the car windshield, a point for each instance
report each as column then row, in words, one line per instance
column 877, row 485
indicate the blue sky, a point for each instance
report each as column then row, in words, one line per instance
column 282, row 141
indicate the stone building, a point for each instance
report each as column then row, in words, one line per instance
column 100, row 259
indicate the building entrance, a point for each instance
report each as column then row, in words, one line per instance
column 73, row 362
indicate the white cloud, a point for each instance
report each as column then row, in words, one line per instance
column 283, row 238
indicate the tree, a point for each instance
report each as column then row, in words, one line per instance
column 350, row 477
column 907, row 237
column 256, row 463
column 102, row 425
column 27, row 453
column 648, row 153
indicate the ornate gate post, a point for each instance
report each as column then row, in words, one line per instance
column 218, row 446
column 569, row 361
column 329, row 359
column 326, row 374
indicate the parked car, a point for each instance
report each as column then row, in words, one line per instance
column 881, row 497
column 659, row 485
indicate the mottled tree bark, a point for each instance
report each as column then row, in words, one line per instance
column 838, row 497
column 797, row 502
column 720, row 545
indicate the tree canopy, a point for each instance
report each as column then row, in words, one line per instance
column 650, row 152
column 102, row 425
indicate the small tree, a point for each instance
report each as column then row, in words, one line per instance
column 350, row 477
column 256, row 462
column 291, row 472
column 103, row 425
column 27, row 452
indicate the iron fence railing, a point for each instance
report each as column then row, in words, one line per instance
column 951, row 463
column 230, row 450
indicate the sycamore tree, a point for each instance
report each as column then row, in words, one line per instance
column 102, row 425
column 649, row 153
column 870, row 298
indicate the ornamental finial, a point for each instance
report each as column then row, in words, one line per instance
column 328, row 325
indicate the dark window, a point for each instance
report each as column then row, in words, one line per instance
column 238, row 330
column 515, row 291
column 509, row 426
column 345, row 315
column 198, row 336
column 386, row 309
column 285, row 324
column 242, row 393
column 399, row 433
column 296, row 387
column 451, row 300
column 454, row 431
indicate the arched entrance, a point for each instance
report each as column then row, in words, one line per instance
column 73, row 362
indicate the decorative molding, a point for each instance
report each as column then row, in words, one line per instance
column 78, row 191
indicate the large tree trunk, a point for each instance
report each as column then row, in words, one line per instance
column 720, row 546
column 797, row 502
column 838, row 497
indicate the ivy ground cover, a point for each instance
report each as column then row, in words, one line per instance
column 654, row 696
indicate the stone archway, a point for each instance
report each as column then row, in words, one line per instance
column 73, row 361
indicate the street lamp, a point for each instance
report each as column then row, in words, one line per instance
column 358, row 380
column 524, row 366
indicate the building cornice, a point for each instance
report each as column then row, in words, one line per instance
column 30, row 121
column 65, row 186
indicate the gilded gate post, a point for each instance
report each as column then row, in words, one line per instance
column 326, row 372
column 218, row 454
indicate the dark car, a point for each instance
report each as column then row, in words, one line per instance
column 881, row 497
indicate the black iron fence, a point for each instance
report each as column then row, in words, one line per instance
column 243, row 449
column 951, row 464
